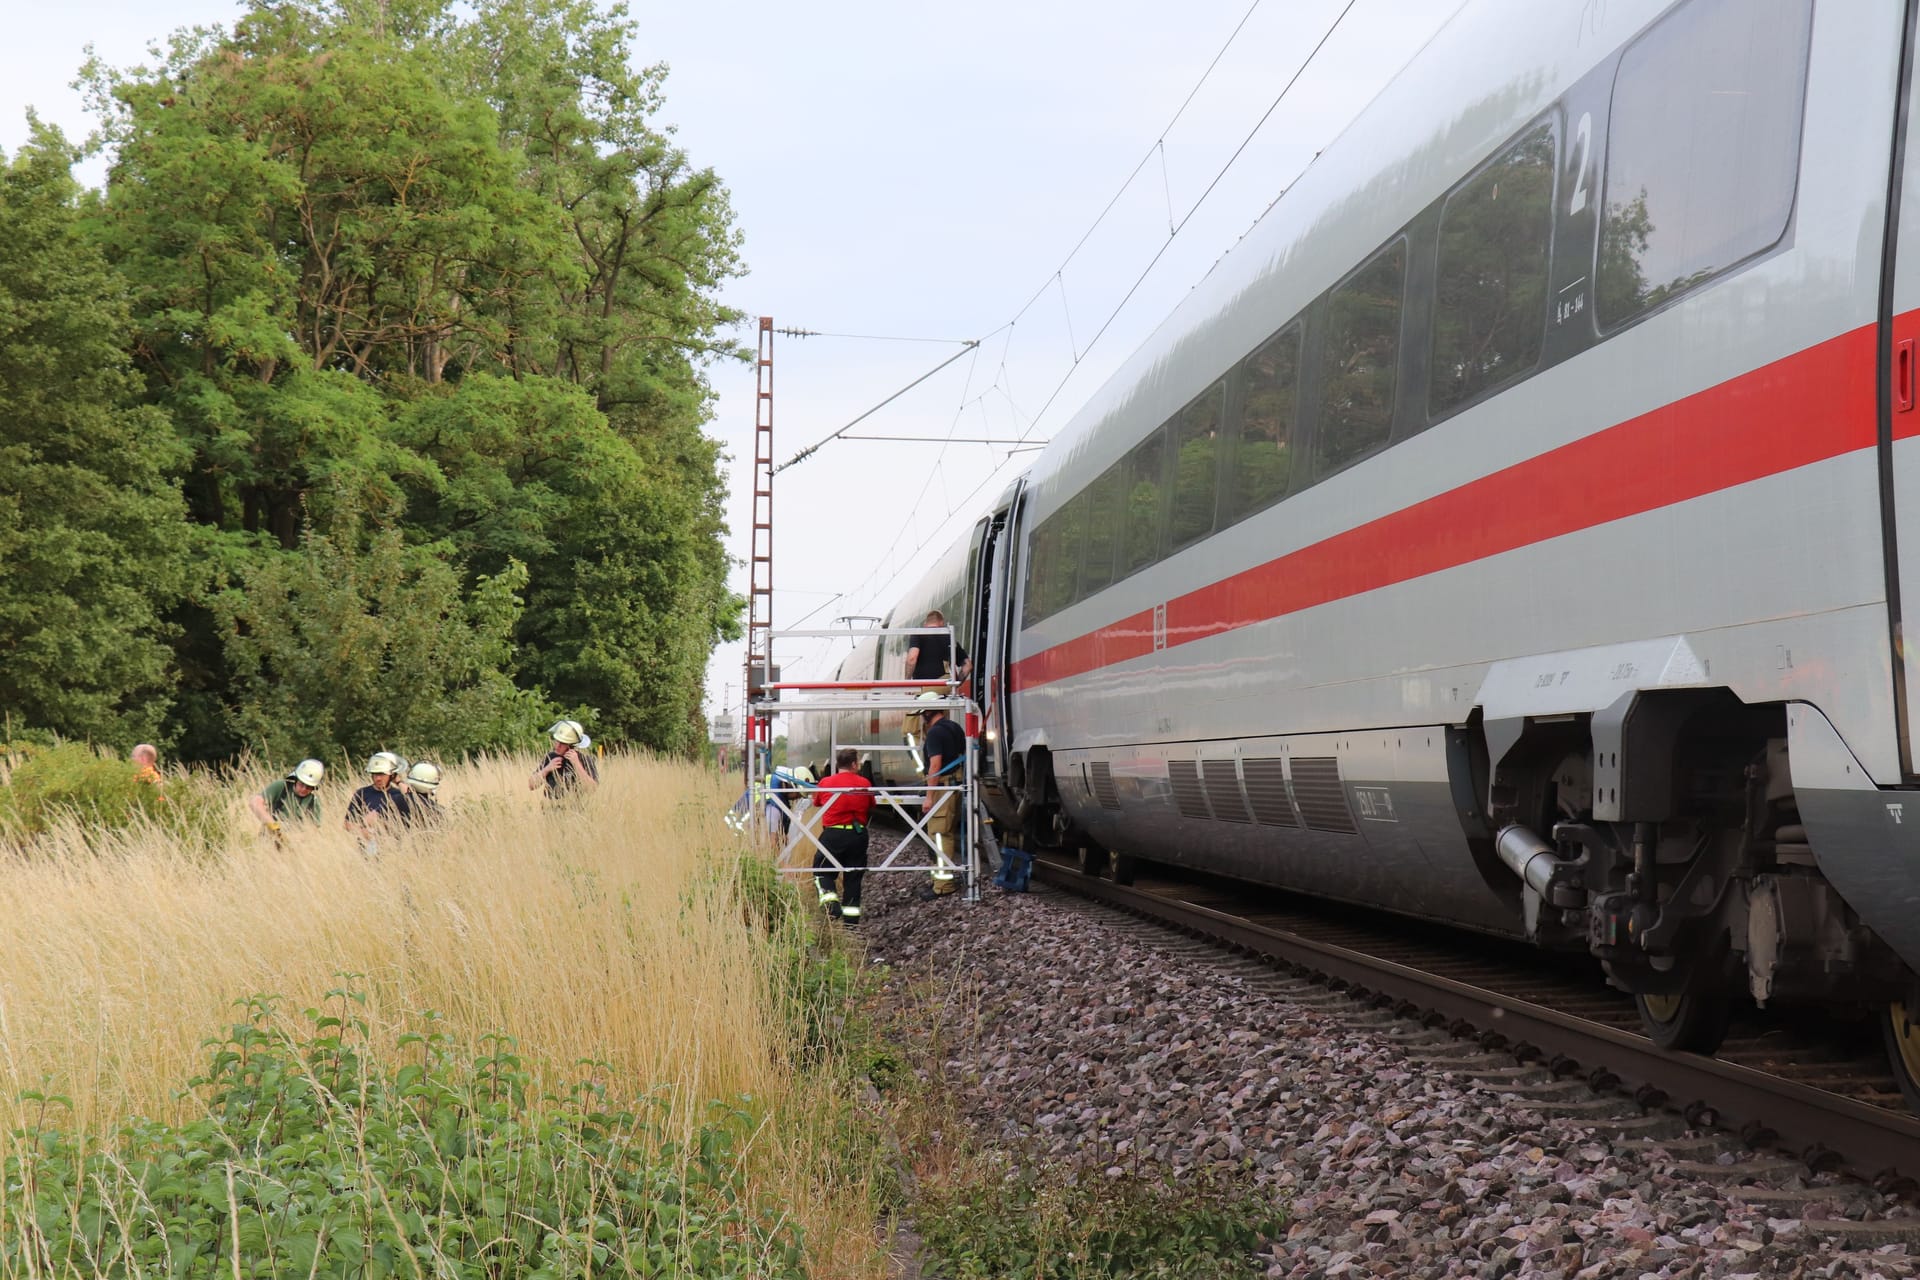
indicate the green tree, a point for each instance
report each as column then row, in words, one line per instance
column 362, row 236
column 359, row 642
column 92, row 531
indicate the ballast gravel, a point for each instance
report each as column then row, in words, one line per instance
column 1075, row 1037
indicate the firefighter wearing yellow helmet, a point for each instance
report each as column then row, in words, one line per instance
column 567, row 769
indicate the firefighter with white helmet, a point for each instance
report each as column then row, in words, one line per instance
column 290, row 798
column 567, row 768
column 377, row 805
column 422, row 805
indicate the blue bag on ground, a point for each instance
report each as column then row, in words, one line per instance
column 1016, row 868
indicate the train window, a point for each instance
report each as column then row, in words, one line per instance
column 1103, row 528
column 1196, row 466
column 1146, row 513
column 1068, row 552
column 1490, row 305
column 1703, row 148
column 1040, row 557
column 1262, row 463
column 1360, row 368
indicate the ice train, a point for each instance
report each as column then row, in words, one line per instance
column 1516, row 528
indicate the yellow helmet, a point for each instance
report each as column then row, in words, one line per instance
column 309, row 772
column 423, row 776
column 931, row 695
column 383, row 762
column 567, row 731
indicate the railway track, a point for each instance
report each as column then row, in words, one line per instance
column 1552, row 1034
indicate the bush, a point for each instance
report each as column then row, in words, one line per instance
column 313, row 1158
column 1076, row 1224
column 70, row 779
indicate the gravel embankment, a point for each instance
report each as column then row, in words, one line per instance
column 1087, row 1039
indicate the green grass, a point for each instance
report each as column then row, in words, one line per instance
column 318, row 1157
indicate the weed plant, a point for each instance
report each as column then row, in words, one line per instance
column 633, row 930
column 315, row 1157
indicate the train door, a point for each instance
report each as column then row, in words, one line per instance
column 1899, row 421
column 995, row 542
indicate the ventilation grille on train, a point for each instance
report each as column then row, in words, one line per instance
column 1223, row 790
column 1323, row 801
column 1267, row 790
column 1102, row 784
column 1186, row 789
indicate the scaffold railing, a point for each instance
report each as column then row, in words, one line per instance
column 801, row 850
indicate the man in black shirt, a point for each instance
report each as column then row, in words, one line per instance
column 946, row 747
column 927, row 657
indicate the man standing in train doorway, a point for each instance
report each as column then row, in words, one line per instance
column 848, row 802
column 946, row 748
column 928, row 657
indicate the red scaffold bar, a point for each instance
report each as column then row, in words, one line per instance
column 856, row 684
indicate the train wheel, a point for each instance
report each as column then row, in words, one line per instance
column 1902, row 1034
column 1691, row 1022
column 1124, row 868
column 1093, row 862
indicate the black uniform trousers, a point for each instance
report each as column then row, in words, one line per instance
column 849, row 846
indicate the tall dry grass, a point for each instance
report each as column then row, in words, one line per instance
column 604, row 931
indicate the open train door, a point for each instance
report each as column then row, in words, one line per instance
column 995, row 542
column 1899, row 422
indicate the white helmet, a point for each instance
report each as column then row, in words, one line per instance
column 804, row 774
column 931, row 695
column 383, row 762
column 423, row 776
column 309, row 772
column 567, row 731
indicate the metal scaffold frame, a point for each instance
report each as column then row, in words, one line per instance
column 829, row 697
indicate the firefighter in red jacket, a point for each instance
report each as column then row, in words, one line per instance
column 848, row 802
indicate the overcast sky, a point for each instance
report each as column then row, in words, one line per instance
column 923, row 171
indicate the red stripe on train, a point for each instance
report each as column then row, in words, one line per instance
column 1804, row 408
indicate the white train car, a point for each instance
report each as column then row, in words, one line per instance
column 1514, row 529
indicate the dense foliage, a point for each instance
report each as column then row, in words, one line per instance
column 391, row 323
column 314, row 1157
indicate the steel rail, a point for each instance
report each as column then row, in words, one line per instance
column 1823, row 1128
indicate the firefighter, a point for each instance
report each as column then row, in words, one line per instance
column 946, row 752
column 848, row 802
column 290, row 798
column 376, row 806
column 785, row 789
column 422, row 806
column 566, row 770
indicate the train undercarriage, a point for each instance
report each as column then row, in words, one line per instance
column 1664, row 839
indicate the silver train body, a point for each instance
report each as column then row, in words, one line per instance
column 1515, row 528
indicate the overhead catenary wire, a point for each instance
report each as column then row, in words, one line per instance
column 1079, row 354
column 1173, row 233
column 815, row 447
